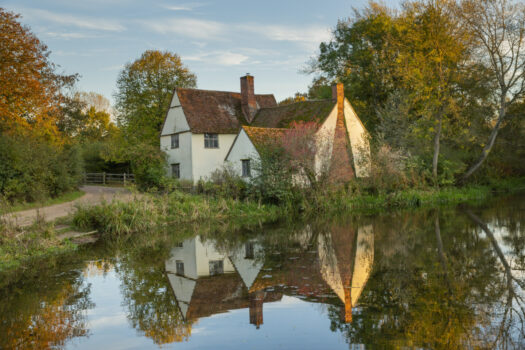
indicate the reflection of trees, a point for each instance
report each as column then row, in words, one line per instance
column 511, row 331
column 434, row 290
column 152, row 307
column 33, row 320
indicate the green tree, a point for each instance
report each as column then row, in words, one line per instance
column 432, row 48
column 360, row 57
column 145, row 87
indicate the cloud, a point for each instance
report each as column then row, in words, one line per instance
column 74, row 21
column 183, row 7
column 188, row 27
column 307, row 36
column 71, row 35
column 223, row 58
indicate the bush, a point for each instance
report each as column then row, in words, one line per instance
column 148, row 164
column 32, row 170
column 225, row 183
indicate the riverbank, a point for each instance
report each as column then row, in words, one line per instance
column 175, row 211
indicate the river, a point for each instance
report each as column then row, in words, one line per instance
column 441, row 278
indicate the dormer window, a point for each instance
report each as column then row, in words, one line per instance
column 211, row 141
column 175, row 141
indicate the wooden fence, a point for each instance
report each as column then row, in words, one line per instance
column 108, row 178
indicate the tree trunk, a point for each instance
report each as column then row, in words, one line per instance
column 436, row 149
column 488, row 146
column 441, row 251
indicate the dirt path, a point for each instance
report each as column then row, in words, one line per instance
column 94, row 195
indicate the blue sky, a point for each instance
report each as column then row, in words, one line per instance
column 218, row 40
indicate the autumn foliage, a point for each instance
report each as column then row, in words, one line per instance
column 30, row 88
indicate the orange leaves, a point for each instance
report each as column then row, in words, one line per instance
column 30, row 93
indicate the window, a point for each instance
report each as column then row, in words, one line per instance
column 249, row 250
column 175, row 171
column 211, row 141
column 175, row 141
column 216, row 267
column 246, row 170
column 179, row 266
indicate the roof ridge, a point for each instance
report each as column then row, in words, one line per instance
column 298, row 102
column 223, row 91
column 262, row 127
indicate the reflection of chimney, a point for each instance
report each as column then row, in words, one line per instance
column 248, row 102
column 346, row 313
column 338, row 93
column 256, row 308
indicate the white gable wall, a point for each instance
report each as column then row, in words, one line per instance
column 243, row 148
column 175, row 119
column 324, row 139
column 359, row 141
column 206, row 160
column 181, row 155
column 176, row 123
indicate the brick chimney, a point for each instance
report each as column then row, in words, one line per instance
column 248, row 102
column 342, row 160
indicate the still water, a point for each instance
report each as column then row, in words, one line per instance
column 435, row 279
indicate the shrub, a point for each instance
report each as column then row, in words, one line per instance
column 32, row 170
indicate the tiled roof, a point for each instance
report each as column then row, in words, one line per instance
column 264, row 136
column 216, row 111
column 283, row 116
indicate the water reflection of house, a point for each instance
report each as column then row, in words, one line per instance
column 346, row 258
column 341, row 265
column 206, row 281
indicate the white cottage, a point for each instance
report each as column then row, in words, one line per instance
column 336, row 123
column 204, row 129
column 200, row 127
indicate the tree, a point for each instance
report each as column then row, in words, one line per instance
column 360, row 57
column 145, row 87
column 298, row 97
column 432, row 48
column 30, row 89
column 94, row 100
column 499, row 27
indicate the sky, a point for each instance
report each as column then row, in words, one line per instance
column 219, row 40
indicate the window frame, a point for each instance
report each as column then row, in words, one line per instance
column 246, row 172
column 211, row 140
column 178, row 170
column 179, row 267
column 216, row 267
column 175, row 137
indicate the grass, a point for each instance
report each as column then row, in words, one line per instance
column 67, row 197
column 19, row 245
column 153, row 212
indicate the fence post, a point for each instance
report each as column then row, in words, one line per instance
column 104, row 178
column 124, row 179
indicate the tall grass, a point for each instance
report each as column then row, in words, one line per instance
column 153, row 212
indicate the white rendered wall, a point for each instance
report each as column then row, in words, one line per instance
column 175, row 119
column 243, row 148
column 207, row 160
column 181, row 155
column 188, row 255
column 359, row 140
column 206, row 252
column 325, row 142
column 176, row 123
